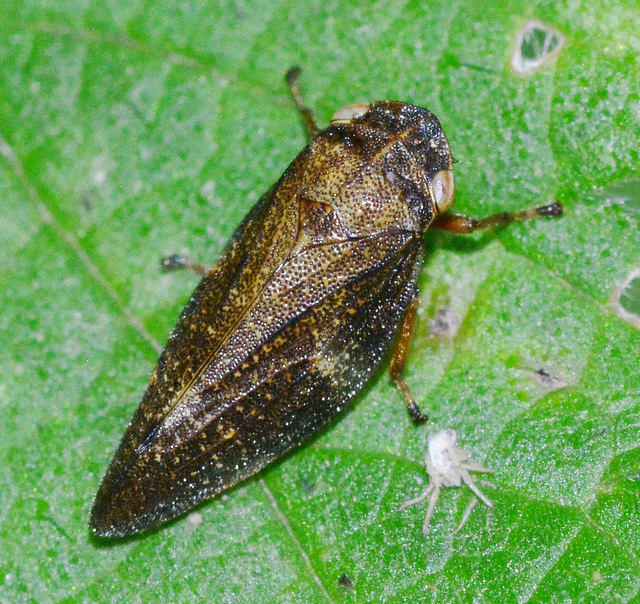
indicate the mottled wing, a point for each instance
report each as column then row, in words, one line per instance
column 260, row 244
column 248, row 409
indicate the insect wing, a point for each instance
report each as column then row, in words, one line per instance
column 214, row 310
column 244, row 412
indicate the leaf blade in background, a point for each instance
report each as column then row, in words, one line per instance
column 134, row 130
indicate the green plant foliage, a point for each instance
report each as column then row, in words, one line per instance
column 133, row 130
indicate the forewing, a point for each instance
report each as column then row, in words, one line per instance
column 245, row 412
column 260, row 244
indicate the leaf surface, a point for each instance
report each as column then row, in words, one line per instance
column 133, row 130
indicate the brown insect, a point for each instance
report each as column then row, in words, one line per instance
column 285, row 330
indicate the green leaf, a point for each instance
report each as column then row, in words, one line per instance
column 133, row 130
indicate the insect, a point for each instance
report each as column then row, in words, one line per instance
column 446, row 466
column 288, row 326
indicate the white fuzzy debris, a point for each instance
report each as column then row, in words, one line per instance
column 194, row 520
column 446, row 467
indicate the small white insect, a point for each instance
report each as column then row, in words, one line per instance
column 446, row 467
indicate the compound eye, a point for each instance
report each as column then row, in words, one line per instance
column 442, row 189
column 348, row 113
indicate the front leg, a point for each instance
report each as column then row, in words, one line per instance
column 457, row 223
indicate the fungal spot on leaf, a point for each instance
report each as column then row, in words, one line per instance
column 308, row 486
column 445, row 323
column 548, row 380
column 630, row 295
column 345, row 581
column 626, row 298
column 536, row 45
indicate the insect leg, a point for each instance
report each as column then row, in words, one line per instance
column 177, row 262
column 432, row 506
column 419, row 499
column 456, row 223
column 307, row 116
column 466, row 515
column 399, row 359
